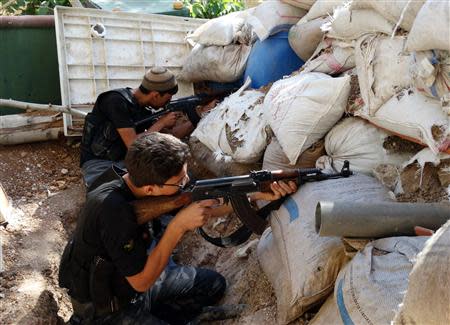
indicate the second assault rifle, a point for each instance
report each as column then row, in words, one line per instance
column 186, row 105
column 233, row 190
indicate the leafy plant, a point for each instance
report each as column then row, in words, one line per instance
column 30, row 7
column 212, row 8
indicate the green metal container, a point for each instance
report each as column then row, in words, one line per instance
column 28, row 54
column 29, row 63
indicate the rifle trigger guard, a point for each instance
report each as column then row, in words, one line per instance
column 241, row 235
column 238, row 237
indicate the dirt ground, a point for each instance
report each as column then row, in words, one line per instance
column 43, row 182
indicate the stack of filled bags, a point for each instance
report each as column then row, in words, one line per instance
column 375, row 71
column 398, row 54
column 231, row 140
column 222, row 45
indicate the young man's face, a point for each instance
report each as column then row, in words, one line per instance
column 173, row 184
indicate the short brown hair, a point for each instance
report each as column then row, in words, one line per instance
column 155, row 157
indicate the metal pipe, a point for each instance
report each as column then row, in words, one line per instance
column 375, row 220
column 42, row 107
column 44, row 21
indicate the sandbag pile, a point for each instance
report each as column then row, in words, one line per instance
column 399, row 94
column 375, row 91
column 221, row 49
column 428, row 282
column 222, row 45
column 309, row 263
column 402, row 66
column 372, row 283
column 402, row 87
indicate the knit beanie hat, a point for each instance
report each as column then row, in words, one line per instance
column 159, row 79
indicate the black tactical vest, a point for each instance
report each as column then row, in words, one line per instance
column 100, row 138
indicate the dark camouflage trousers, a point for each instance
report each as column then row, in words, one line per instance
column 177, row 297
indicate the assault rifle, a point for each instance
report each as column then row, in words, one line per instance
column 186, row 105
column 233, row 190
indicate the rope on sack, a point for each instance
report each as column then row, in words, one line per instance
column 400, row 19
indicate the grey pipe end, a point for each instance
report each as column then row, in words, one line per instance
column 318, row 217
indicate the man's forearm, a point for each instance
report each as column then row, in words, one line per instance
column 181, row 130
column 155, row 127
column 157, row 260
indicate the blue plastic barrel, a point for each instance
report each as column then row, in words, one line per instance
column 271, row 59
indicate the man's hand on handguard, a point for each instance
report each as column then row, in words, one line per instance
column 168, row 120
column 194, row 215
column 279, row 189
column 421, row 231
column 206, row 108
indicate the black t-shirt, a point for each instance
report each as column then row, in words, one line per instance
column 110, row 226
column 112, row 111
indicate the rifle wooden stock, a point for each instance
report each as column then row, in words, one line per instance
column 152, row 207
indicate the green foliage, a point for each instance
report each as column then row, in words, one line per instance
column 212, row 8
column 30, row 7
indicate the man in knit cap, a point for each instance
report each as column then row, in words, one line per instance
column 110, row 129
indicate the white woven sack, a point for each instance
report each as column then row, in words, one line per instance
column 360, row 143
column 427, row 300
column 269, row 16
column 351, row 24
column 312, row 262
column 369, row 289
column 331, row 57
column 217, row 164
column 401, row 12
column 235, row 128
column 303, row 4
column 414, row 117
column 274, row 157
column 322, row 8
column 328, row 314
column 270, row 260
column 304, row 38
column 430, row 71
column 383, row 69
column 431, row 29
column 219, row 31
column 302, row 109
column 215, row 63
